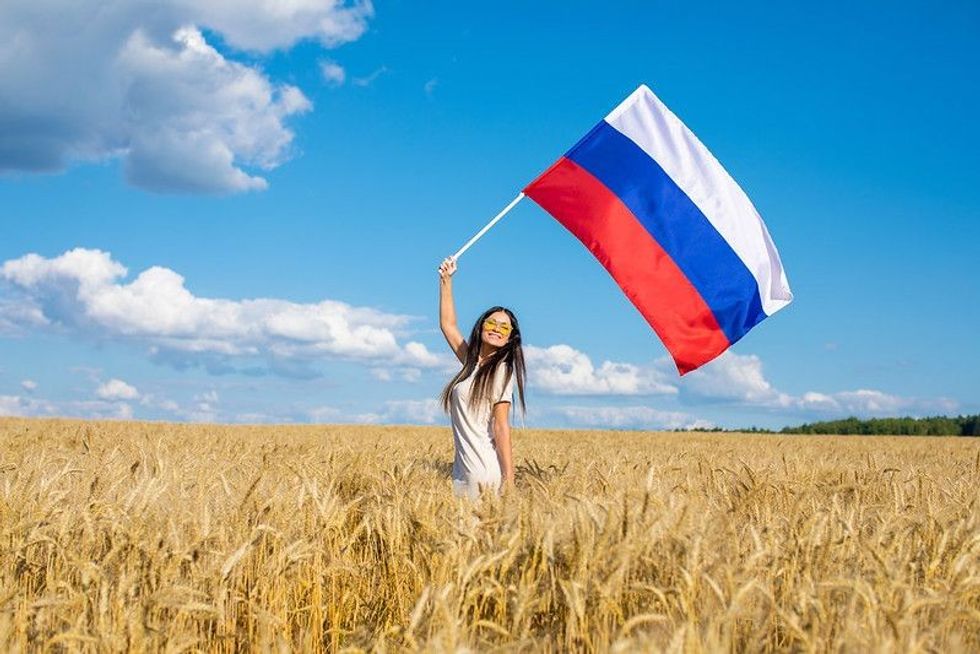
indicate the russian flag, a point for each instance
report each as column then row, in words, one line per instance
column 673, row 228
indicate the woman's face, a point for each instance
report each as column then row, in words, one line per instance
column 497, row 329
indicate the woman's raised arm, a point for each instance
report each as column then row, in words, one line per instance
column 447, row 310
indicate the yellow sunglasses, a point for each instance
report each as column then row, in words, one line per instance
column 502, row 328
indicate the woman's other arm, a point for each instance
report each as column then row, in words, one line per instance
column 447, row 310
column 501, row 441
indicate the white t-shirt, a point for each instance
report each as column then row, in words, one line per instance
column 476, row 461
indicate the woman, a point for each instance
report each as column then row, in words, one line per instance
column 479, row 397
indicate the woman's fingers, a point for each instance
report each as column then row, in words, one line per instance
column 447, row 267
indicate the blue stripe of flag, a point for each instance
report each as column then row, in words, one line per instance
column 676, row 223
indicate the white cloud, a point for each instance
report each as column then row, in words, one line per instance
column 82, row 292
column 424, row 412
column 97, row 409
column 205, row 407
column 419, row 355
column 733, row 377
column 29, row 385
column 630, row 417
column 210, row 397
column 739, row 379
column 867, row 402
column 117, row 389
column 818, row 401
column 368, row 80
column 201, row 118
column 89, row 269
column 11, row 405
column 427, row 411
column 162, row 403
column 382, row 374
column 430, row 87
column 563, row 370
column 14, row 405
column 255, row 418
column 18, row 318
column 410, row 375
column 137, row 80
column 333, row 73
column 325, row 414
column 262, row 25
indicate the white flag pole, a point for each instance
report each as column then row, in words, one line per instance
column 490, row 224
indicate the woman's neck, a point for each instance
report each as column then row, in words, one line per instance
column 485, row 351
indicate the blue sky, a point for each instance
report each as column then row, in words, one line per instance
column 325, row 161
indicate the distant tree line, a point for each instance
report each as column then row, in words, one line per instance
column 935, row 426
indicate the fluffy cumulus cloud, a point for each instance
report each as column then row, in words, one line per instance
column 9, row 405
column 117, row 389
column 731, row 379
column 139, row 81
column 15, row 405
column 868, row 402
column 15, row 316
column 333, row 73
column 415, row 412
column 83, row 292
column 734, row 377
column 739, row 379
column 425, row 412
column 629, row 417
column 410, row 375
column 563, row 370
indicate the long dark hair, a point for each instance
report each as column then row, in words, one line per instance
column 510, row 355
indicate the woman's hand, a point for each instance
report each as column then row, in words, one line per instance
column 447, row 268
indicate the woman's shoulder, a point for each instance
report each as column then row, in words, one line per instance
column 503, row 376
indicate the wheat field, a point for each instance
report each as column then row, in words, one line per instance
column 119, row 536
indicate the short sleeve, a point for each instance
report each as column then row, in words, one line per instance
column 503, row 386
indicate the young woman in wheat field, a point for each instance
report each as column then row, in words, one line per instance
column 479, row 398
